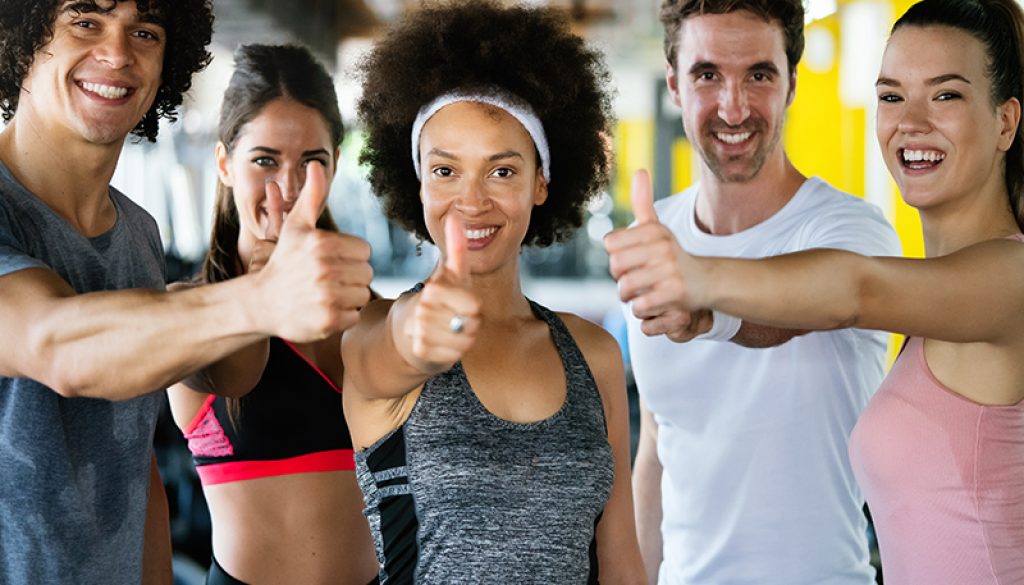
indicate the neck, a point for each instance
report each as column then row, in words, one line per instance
column 968, row 219
column 501, row 294
column 729, row 208
column 70, row 176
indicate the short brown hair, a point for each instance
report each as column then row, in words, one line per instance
column 788, row 13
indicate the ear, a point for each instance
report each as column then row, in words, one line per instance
column 672, row 81
column 540, row 192
column 1009, row 116
column 223, row 169
column 337, row 159
column 792, row 89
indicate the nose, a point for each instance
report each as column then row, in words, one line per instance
column 474, row 200
column 115, row 49
column 291, row 183
column 913, row 119
column 733, row 107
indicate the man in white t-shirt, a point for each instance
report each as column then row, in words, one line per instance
column 742, row 475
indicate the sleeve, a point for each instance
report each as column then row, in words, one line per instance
column 14, row 254
column 854, row 226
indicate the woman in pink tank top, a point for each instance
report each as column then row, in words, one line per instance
column 939, row 451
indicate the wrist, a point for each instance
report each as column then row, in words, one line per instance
column 723, row 327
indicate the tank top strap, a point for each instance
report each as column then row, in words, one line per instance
column 581, row 388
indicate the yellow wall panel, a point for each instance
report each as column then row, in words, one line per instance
column 634, row 150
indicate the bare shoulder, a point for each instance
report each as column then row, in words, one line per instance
column 590, row 336
column 377, row 309
column 599, row 349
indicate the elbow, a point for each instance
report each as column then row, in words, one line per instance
column 46, row 365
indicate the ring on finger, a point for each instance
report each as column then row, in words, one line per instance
column 457, row 324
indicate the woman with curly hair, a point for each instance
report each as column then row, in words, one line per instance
column 264, row 424
column 491, row 433
column 939, row 450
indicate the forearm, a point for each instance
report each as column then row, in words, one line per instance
column 118, row 345
column 646, row 479
column 375, row 364
column 756, row 336
column 812, row 290
column 156, row 552
column 647, row 509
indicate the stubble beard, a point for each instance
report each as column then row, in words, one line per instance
column 750, row 164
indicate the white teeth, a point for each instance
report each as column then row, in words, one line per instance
column 108, row 91
column 923, row 155
column 480, row 234
column 732, row 138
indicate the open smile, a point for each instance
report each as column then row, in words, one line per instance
column 921, row 159
column 480, row 236
column 105, row 91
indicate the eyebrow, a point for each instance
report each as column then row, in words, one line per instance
column 761, row 66
column 305, row 153
column 930, row 82
column 75, row 7
column 504, row 155
column 493, row 157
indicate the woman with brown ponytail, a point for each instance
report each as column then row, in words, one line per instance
column 276, row 462
column 939, row 451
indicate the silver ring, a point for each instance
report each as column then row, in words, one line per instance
column 457, row 324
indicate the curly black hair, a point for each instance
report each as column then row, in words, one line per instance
column 26, row 26
column 529, row 52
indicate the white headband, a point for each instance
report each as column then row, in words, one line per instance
column 517, row 108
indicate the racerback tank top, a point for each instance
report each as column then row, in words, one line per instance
column 458, row 495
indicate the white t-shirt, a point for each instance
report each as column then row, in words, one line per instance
column 757, row 487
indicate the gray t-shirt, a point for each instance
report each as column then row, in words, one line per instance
column 74, row 473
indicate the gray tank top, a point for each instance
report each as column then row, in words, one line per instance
column 458, row 495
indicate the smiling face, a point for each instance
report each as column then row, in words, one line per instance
column 275, row 145
column 98, row 76
column 479, row 163
column 941, row 136
column 732, row 83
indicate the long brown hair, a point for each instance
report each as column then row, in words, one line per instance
column 262, row 74
column 999, row 26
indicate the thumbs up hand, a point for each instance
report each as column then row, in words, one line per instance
column 661, row 281
column 313, row 282
column 446, row 318
column 264, row 247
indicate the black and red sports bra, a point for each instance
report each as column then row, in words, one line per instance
column 290, row 422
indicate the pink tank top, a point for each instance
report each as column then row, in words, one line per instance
column 944, row 479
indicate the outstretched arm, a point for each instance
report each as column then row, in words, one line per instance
column 972, row 295
column 398, row 345
column 969, row 296
column 655, row 245
column 122, row 344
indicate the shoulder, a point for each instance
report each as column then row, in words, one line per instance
column 834, row 219
column 673, row 208
column 132, row 212
column 377, row 309
column 599, row 347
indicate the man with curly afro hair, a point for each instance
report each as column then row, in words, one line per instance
column 90, row 337
column 492, row 433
